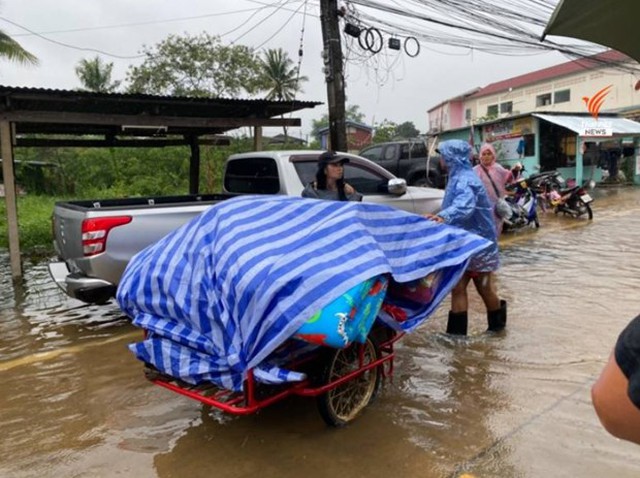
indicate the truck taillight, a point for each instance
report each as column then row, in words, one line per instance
column 95, row 232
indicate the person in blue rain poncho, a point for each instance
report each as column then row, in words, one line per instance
column 466, row 205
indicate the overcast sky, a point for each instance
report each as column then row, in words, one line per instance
column 403, row 91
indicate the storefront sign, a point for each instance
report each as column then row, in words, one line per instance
column 507, row 129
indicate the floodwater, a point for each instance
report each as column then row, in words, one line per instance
column 75, row 403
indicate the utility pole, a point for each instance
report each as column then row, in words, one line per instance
column 332, row 55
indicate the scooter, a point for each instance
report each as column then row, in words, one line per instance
column 523, row 201
column 569, row 199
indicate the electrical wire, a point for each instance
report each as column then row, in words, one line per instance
column 73, row 47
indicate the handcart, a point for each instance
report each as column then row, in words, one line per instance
column 344, row 381
column 269, row 297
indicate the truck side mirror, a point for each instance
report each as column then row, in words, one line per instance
column 397, row 186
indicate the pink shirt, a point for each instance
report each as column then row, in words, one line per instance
column 501, row 177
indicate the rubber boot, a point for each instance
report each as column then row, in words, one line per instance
column 497, row 319
column 457, row 323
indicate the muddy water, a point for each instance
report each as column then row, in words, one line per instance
column 74, row 403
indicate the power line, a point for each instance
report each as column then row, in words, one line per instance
column 137, row 24
column 73, row 47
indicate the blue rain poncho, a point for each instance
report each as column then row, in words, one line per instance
column 466, row 204
column 220, row 294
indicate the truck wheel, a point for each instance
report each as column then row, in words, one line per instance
column 345, row 402
column 422, row 183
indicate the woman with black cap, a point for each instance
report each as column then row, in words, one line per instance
column 329, row 183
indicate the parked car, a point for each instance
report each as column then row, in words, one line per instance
column 95, row 239
column 407, row 159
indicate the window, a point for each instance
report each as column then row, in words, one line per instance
column 372, row 154
column 543, row 100
column 413, row 150
column 467, row 114
column 253, row 176
column 492, row 110
column 390, row 152
column 364, row 180
column 562, row 96
column 506, row 107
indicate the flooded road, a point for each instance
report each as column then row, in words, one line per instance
column 75, row 403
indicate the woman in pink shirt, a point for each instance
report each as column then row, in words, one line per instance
column 489, row 170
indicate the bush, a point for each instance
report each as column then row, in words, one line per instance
column 34, row 222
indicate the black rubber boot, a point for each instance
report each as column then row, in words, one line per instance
column 497, row 319
column 457, row 323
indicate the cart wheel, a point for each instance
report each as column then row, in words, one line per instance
column 342, row 404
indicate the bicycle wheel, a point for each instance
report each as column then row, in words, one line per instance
column 344, row 403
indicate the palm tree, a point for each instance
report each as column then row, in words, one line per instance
column 95, row 75
column 281, row 78
column 11, row 50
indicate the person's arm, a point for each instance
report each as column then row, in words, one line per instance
column 351, row 193
column 615, row 395
column 310, row 191
column 463, row 206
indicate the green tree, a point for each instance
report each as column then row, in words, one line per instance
column 351, row 113
column 198, row 66
column 11, row 50
column 407, row 130
column 385, row 131
column 280, row 76
column 95, row 75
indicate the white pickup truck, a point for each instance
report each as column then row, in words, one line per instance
column 95, row 239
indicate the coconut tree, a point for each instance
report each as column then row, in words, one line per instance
column 95, row 75
column 11, row 50
column 280, row 76
column 281, row 79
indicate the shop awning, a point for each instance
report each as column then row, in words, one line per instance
column 607, row 22
column 619, row 126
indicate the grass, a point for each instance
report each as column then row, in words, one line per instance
column 34, row 224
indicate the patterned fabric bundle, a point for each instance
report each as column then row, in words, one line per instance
column 220, row 294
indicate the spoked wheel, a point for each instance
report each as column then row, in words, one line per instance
column 342, row 404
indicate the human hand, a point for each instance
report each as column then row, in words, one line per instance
column 433, row 217
column 348, row 189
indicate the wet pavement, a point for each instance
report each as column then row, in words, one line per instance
column 75, row 403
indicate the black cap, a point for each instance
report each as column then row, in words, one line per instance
column 330, row 157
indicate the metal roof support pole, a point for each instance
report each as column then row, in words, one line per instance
column 579, row 160
column 6, row 147
column 194, row 165
column 257, row 138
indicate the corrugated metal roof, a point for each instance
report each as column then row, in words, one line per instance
column 85, row 112
column 8, row 90
column 563, row 69
column 619, row 126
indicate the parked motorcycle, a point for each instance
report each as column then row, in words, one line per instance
column 557, row 195
column 523, row 201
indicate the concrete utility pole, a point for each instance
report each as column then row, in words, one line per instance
column 334, row 77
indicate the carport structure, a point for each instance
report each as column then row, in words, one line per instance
column 31, row 117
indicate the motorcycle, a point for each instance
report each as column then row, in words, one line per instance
column 523, row 200
column 569, row 199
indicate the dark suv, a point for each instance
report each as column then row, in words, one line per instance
column 407, row 159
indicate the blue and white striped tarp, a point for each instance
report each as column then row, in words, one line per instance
column 220, row 294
